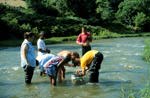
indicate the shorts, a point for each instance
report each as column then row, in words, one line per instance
column 51, row 71
column 85, row 49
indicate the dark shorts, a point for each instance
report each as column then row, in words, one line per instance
column 85, row 49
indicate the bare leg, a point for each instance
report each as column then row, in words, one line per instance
column 52, row 81
column 61, row 74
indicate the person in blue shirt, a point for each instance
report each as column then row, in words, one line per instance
column 28, row 60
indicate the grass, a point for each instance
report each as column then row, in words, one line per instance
column 10, row 43
column 131, row 93
column 146, row 53
column 56, row 40
column 145, row 93
column 16, row 3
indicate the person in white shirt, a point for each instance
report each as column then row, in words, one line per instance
column 28, row 60
column 42, row 49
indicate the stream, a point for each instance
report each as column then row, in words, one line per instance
column 122, row 71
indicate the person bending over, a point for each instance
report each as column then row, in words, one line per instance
column 70, row 56
column 91, row 62
column 54, row 66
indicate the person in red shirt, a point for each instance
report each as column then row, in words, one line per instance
column 84, row 39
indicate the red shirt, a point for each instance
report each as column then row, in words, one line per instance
column 82, row 38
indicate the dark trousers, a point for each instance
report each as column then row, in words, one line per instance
column 85, row 49
column 94, row 68
column 28, row 74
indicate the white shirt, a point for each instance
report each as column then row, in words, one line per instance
column 30, row 54
column 41, row 45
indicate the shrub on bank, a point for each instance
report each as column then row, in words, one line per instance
column 146, row 54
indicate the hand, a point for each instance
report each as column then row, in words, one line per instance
column 48, row 51
column 79, row 72
column 26, row 67
column 85, row 44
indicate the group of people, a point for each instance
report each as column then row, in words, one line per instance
column 53, row 64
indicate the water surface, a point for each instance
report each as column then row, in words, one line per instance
column 122, row 69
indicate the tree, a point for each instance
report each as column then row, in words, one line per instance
column 43, row 7
column 82, row 8
column 104, row 10
column 139, row 21
column 130, row 11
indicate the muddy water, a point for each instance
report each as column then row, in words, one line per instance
column 122, row 70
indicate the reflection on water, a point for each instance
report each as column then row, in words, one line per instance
column 122, row 67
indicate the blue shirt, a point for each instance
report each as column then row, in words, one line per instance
column 30, row 54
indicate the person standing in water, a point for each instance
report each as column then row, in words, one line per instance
column 91, row 62
column 28, row 60
column 84, row 39
column 41, row 46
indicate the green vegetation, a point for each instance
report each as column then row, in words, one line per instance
column 64, row 18
column 146, row 54
column 131, row 93
column 56, row 40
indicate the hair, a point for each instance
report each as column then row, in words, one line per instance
column 42, row 34
column 76, row 54
column 28, row 34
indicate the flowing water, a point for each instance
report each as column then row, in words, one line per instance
column 122, row 70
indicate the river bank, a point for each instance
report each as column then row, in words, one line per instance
column 56, row 40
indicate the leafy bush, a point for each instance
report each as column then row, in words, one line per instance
column 140, row 20
column 25, row 27
column 146, row 54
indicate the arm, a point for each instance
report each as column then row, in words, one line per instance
column 25, row 49
column 44, row 51
column 84, row 68
column 89, row 38
column 62, row 63
column 67, row 57
column 70, row 65
column 81, row 72
column 78, row 40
